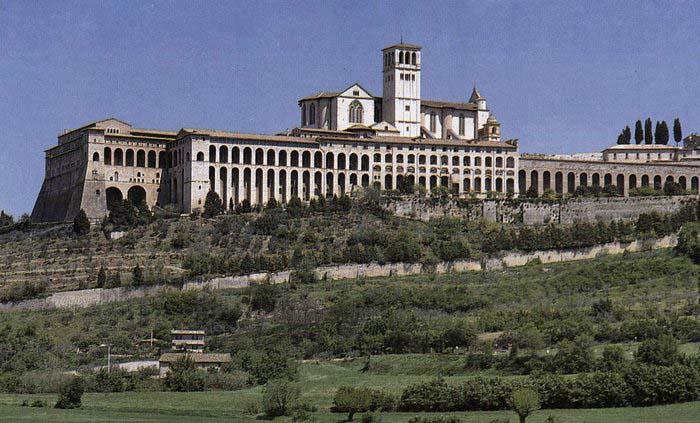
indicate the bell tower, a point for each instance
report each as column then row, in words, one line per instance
column 401, row 88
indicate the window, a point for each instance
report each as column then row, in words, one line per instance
column 433, row 122
column 408, row 108
column 355, row 112
column 312, row 114
column 401, row 57
column 461, row 124
column 303, row 115
column 356, row 92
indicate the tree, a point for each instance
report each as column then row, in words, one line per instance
column 115, row 280
column 344, row 203
column 627, row 134
column 677, row 131
column 5, row 219
column 531, row 192
column 524, row 402
column 70, row 394
column 648, row 136
column 689, row 241
column 621, row 138
column 657, row 134
column 352, row 400
column 137, row 276
column 279, row 396
column 663, row 133
column 81, row 224
column 295, row 208
column 101, row 277
column 662, row 351
column 213, row 205
column 638, row 132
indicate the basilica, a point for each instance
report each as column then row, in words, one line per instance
column 346, row 140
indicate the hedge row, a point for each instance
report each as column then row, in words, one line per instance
column 635, row 385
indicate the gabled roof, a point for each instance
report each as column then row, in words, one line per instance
column 448, row 105
column 333, row 94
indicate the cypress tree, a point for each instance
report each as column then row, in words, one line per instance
column 663, row 133
column 677, row 131
column 81, row 224
column 101, row 277
column 657, row 133
column 638, row 132
column 648, row 136
column 628, row 134
column 621, row 138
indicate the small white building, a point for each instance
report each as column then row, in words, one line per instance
column 187, row 340
column 202, row 361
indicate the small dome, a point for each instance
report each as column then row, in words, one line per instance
column 492, row 119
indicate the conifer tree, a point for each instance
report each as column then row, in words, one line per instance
column 81, row 224
column 648, row 136
column 101, row 277
column 677, row 131
column 663, row 133
column 213, row 206
column 627, row 134
column 638, row 132
column 657, row 134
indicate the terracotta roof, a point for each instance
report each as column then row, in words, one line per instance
column 196, row 357
column 242, row 136
column 642, row 147
column 403, row 45
column 448, row 105
column 423, row 141
column 322, row 94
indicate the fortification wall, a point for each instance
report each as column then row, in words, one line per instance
column 538, row 212
column 91, row 297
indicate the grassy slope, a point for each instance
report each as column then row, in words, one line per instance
column 318, row 381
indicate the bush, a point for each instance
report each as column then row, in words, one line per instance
column 71, row 394
column 435, row 419
column 351, row 400
column 183, row 376
column 213, row 206
column 689, row 241
column 662, row 351
column 264, row 297
column 279, row 397
column 81, row 224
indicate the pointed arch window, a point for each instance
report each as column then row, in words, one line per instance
column 461, row 124
column 312, row 114
column 356, row 112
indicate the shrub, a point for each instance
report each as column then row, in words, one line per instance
column 689, row 241
column 662, row 351
column 435, row 419
column 279, row 397
column 81, row 224
column 183, row 376
column 351, row 400
column 101, row 277
column 137, row 276
column 524, row 402
column 264, row 297
column 213, row 206
column 71, row 394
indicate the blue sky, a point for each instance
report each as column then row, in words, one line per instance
column 560, row 76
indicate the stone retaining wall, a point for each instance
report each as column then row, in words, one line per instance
column 90, row 297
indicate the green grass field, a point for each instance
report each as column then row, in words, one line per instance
column 318, row 381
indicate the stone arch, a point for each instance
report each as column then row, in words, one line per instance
column 235, row 155
column 318, row 160
column 140, row 158
column 546, row 180
column 466, row 185
column 510, row 185
column 113, row 197
column 570, row 182
column 95, row 156
column 259, row 184
column 353, row 161
column 212, row 178
column 534, row 180
column 330, row 162
column 694, row 183
column 283, row 185
column 137, row 195
column 487, row 184
column 499, row 161
column 682, row 182
column 107, row 156
column 118, row 157
column 595, row 180
column 270, row 157
column 341, row 161
column 212, row 154
column 248, row 185
column 294, row 183
column 455, row 160
column 235, row 185
column 294, row 159
column 583, row 179
column 559, row 183
column 353, row 180
column 200, row 157
column 329, row 183
column 388, row 183
column 271, row 186
column 129, row 157
column 466, row 161
column 632, row 181
column 620, row 182
column 645, row 180
column 306, row 159
column 223, row 157
column 282, row 158
column 522, row 181
column 162, row 162
column 364, row 165
column 259, row 159
column 387, row 158
column 657, row 182
column 477, row 184
column 488, row 161
column 499, row 184
column 223, row 185
column 510, row 162
column 365, row 180
column 152, row 159
column 607, row 180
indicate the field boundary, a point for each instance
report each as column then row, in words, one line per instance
column 91, row 297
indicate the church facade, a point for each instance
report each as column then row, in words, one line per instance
column 346, row 140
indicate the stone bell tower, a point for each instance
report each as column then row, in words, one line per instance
column 401, row 88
